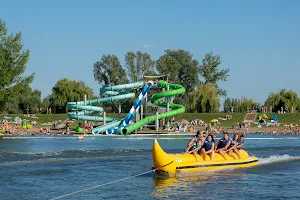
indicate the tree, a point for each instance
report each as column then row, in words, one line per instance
column 210, row 72
column 46, row 103
column 66, row 90
column 13, row 60
column 28, row 101
column 109, row 71
column 227, row 105
column 204, row 99
column 239, row 105
column 181, row 66
column 31, row 101
column 287, row 100
column 139, row 64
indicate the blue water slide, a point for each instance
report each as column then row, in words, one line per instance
column 135, row 107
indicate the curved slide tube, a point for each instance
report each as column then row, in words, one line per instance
column 137, row 104
column 176, row 108
column 84, row 110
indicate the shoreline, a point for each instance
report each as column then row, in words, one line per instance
column 264, row 130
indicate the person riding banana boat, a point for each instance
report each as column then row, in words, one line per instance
column 213, row 157
column 233, row 144
column 208, row 148
column 198, row 144
column 223, row 146
column 195, row 144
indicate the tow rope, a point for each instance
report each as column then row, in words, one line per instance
column 111, row 182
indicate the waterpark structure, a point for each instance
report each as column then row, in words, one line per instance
column 87, row 109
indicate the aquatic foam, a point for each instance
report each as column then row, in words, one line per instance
column 277, row 158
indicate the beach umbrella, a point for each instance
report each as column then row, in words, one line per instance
column 264, row 116
column 274, row 118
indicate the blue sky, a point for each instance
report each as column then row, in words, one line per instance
column 258, row 40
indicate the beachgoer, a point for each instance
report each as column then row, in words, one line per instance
column 67, row 128
column 208, row 148
column 223, row 145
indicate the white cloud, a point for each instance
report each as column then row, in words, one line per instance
column 147, row 46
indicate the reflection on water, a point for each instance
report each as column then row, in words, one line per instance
column 197, row 183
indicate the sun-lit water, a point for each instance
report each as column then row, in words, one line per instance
column 47, row 167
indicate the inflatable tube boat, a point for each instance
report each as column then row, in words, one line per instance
column 172, row 164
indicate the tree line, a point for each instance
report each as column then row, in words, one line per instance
column 200, row 78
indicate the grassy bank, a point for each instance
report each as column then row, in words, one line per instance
column 207, row 117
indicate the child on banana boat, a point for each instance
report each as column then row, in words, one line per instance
column 195, row 144
column 207, row 146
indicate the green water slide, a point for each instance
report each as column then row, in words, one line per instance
column 176, row 108
column 86, row 110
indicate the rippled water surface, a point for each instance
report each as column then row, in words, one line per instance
column 48, row 167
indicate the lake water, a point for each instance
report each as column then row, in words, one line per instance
column 47, row 167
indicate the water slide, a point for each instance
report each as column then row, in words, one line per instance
column 176, row 108
column 84, row 110
column 135, row 107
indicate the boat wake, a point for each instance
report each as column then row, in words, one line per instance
column 278, row 159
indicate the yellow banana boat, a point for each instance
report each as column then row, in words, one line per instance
column 186, row 163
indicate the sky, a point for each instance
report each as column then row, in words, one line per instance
column 258, row 40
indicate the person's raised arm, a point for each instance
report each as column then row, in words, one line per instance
column 190, row 144
column 240, row 146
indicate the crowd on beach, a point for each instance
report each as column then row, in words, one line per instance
column 214, row 126
column 16, row 126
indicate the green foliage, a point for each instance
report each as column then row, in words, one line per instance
column 13, row 60
column 66, row 90
column 204, row 99
column 239, row 105
column 227, row 105
column 30, row 102
column 288, row 100
column 138, row 65
column 46, row 103
column 181, row 66
column 210, row 72
column 109, row 71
